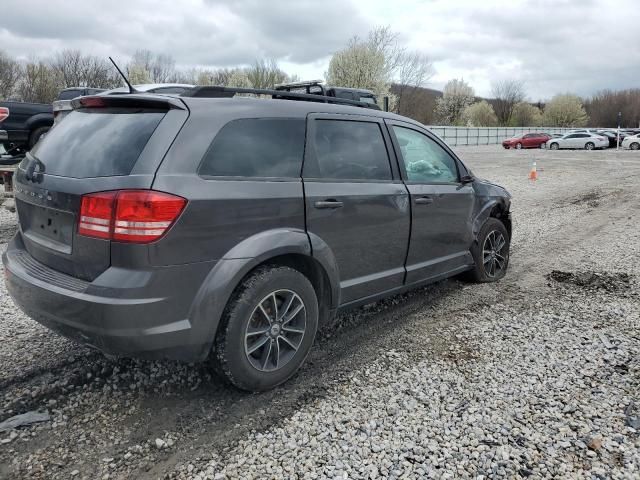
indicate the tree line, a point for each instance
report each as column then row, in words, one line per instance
column 377, row 62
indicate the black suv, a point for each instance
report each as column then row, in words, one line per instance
column 192, row 227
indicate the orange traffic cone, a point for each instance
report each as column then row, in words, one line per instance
column 533, row 173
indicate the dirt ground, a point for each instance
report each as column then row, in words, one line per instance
column 576, row 240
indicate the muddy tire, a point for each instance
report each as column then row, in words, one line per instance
column 490, row 253
column 267, row 329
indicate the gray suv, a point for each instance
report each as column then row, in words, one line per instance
column 189, row 227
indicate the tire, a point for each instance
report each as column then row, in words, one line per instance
column 483, row 262
column 554, row 146
column 518, row 146
column 36, row 135
column 258, row 370
column 589, row 146
column 543, row 145
column 635, row 146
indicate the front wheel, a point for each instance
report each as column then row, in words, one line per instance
column 554, row 146
column 635, row 146
column 267, row 329
column 589, row 146
column 491, row 252
column 519, row 146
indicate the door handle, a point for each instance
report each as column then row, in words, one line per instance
column 424, row 200
column 328, row 204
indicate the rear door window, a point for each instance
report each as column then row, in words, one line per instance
column 348, row 150
column 96, row 142
column 256, row 147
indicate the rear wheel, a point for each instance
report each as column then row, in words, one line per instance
column 635, row 146
column 554, row 146
column 267, row 329
column 491, row 252
column 589, row 146
column 36, row 135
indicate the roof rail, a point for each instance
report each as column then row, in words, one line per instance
column 216, row 91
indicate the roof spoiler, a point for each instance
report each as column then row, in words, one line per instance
column 217, row 91
column 128, row 100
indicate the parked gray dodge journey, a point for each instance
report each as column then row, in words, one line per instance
column 196, row 226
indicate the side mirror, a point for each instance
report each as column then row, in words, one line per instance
column 466, row 179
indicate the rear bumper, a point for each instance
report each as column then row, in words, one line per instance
column 122, row 312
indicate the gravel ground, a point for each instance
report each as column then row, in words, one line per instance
column 537, row 376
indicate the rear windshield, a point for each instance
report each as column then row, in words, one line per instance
column 96, row 143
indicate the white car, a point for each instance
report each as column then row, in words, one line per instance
column 632, row 142
column 587, row 141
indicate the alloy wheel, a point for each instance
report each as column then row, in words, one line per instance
column 494, row 255
column 275, row 330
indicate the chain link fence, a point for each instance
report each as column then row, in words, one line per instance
column 455, row 136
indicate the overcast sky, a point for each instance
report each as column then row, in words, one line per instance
column 555, row 46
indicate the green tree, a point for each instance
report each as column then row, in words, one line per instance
column 480, row 114
column 456, row 97
column 526, row 115
column 565, row 111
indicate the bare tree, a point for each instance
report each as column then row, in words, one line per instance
column 265, row 74
column 77, row 70
column 163, row 68
column 604, row 106
column 39, row 83
column 152, row 68
column 506, row 93
column 414, row 70
column 10, row 72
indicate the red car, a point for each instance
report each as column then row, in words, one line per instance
column 527, row 140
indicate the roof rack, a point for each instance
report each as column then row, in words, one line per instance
column 217, row 91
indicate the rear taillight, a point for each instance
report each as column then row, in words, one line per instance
column 137, row 216
column 4, row 114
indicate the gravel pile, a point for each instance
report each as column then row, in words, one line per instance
column 535, row 377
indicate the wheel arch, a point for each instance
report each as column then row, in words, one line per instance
column 496, row 208
column 282, row 247
column 39, row 120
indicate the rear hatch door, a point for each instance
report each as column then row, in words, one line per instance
column 106, row 144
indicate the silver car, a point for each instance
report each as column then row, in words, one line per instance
column 632, row 142
column 586, row 141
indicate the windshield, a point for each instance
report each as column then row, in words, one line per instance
column 96, row 142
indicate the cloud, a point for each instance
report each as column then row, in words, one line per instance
column 555, row 46
column 194, row 32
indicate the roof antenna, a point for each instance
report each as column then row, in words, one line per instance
column 126, row 80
